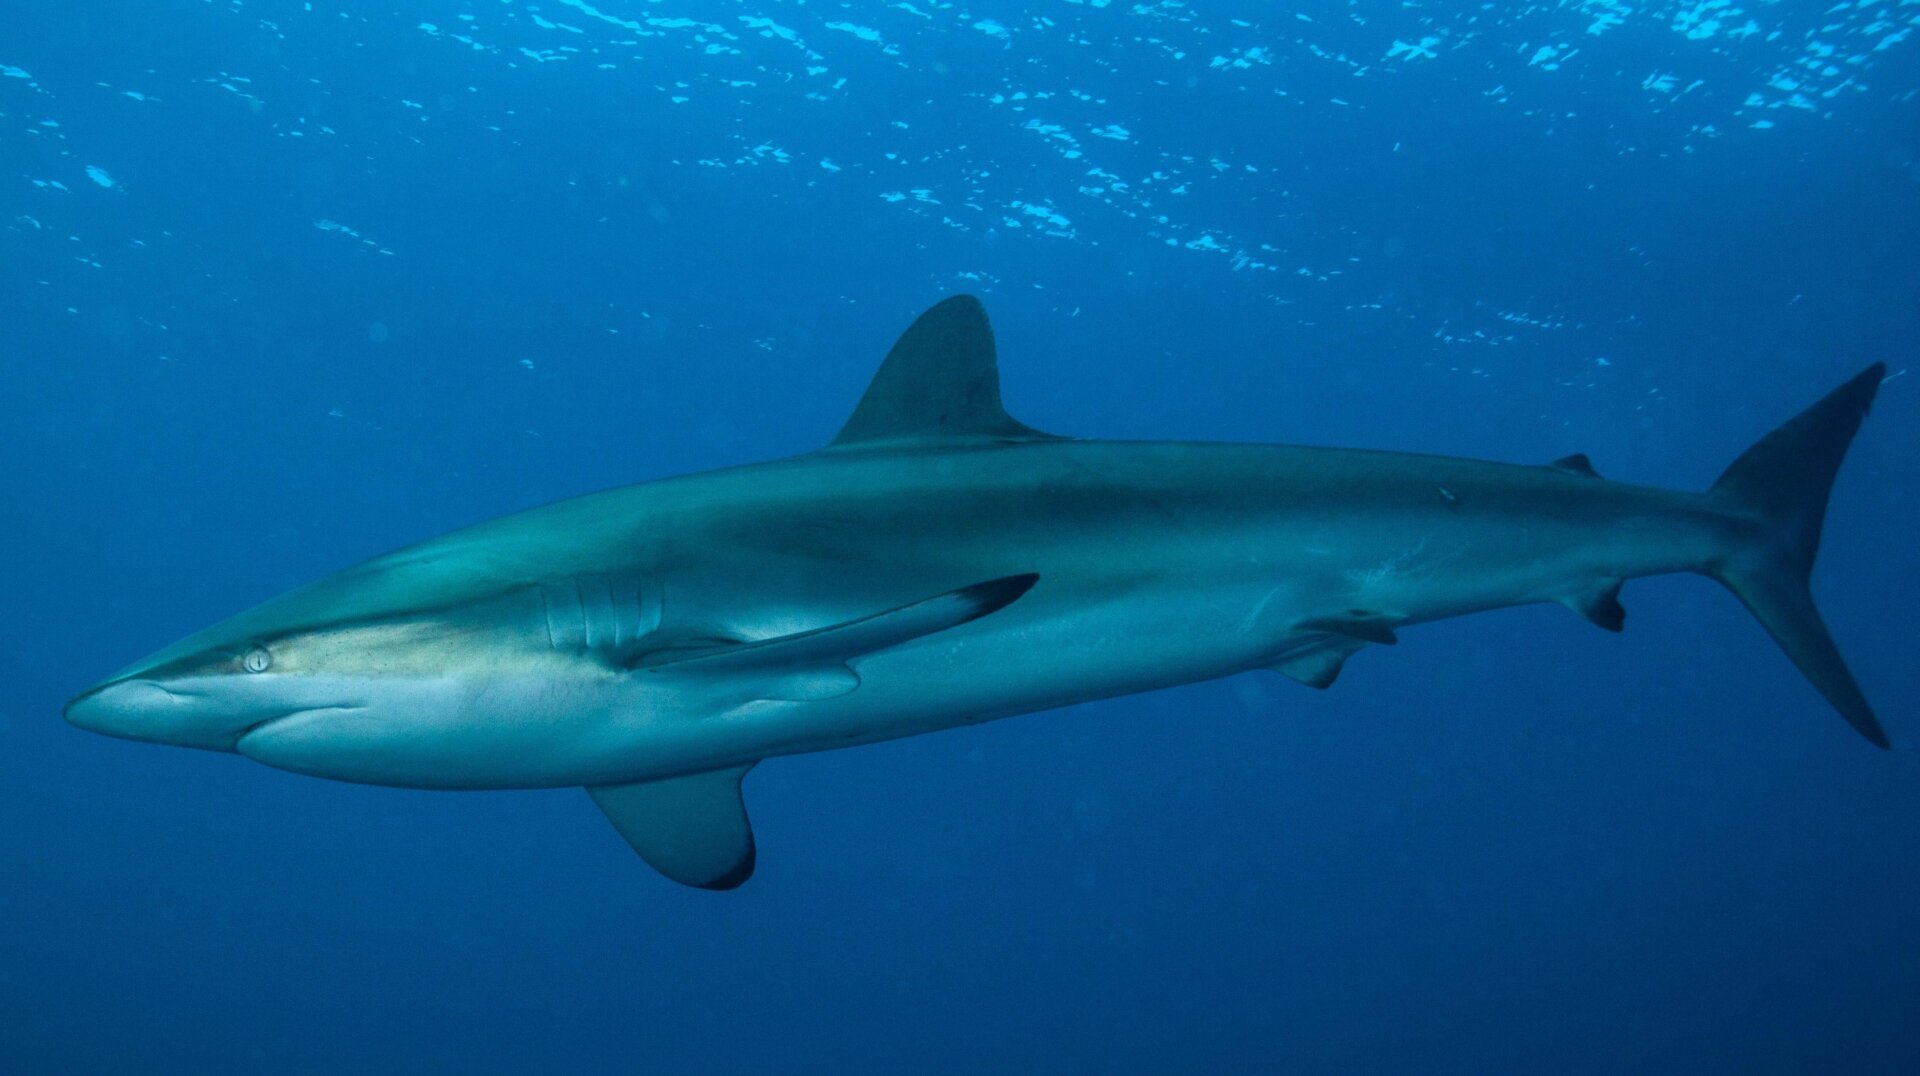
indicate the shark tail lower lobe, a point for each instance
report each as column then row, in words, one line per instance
column 1784, row 481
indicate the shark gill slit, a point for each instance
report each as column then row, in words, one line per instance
column 565, row 631
column 596, row 607
column 597, row 611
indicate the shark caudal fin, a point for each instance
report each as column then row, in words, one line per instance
column 1783, row 481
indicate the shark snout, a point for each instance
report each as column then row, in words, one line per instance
column 134, row 709
column 138, row 709
column 106, row 708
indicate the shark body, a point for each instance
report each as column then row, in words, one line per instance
column 939, row 564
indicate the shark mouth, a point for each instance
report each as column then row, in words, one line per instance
column 293, row 715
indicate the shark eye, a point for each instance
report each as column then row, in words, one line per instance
column 257, row 660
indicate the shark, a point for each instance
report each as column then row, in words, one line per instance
column 938, row 564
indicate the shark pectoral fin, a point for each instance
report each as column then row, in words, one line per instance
column 1600, row 604
column 1319, row 666
column 1578, row 463
column 811, row 662
column 941, row 382
column 1361, row 625
column 692, row 829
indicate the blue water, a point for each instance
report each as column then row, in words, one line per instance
column 285, row 285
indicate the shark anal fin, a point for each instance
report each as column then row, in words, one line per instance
column 1578, row 463
column 813, row 664
column 1361, row 625
column 1600, row 604
column 1318, row 666
column 692, row 829
column 941, row 382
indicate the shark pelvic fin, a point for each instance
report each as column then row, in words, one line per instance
column 692, row 829
column 812, row 665
column 1578, row 463
column 1600, row 604
column 1359, row 624
column 941, row 382
column 1319, row 666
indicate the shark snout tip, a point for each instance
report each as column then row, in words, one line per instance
column 106, row 707
column 79, row 710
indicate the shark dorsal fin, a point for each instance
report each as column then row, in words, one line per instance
column 940, row 383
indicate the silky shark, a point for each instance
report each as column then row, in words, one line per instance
column 938, row 564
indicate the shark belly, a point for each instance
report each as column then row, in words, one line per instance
column 450, row 732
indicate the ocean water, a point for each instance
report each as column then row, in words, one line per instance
column 285, row 285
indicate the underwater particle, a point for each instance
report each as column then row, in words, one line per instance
column 864, row 33
column 1422, row 50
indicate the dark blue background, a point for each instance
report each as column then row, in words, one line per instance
column 1511, row 844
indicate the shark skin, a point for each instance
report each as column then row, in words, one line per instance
column 939, row 564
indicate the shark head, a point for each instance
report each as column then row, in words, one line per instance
column 335, row 648
column 216, row 697
column 250, row 679
column 369, row 674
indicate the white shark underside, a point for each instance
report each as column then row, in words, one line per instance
column 939, row 564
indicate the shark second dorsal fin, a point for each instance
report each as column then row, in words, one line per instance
column 940, row 383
